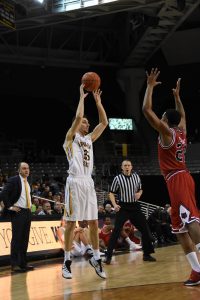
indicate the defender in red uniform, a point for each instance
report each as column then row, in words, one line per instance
column 172, row 144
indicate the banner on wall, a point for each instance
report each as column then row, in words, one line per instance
column 42, row 237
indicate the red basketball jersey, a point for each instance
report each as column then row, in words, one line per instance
column 105, row 236
column 172, row 157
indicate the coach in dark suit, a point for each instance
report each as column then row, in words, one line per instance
column 17, row 200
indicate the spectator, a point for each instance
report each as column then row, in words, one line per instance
column 81, row 244
column 46, row 209
column 58, row 209
column 35, row 204
column 45, row 193
column 36, row 190
column 38, row 210
column 132, row 232
column 123, row 240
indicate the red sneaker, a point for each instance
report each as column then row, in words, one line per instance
column 194, row 279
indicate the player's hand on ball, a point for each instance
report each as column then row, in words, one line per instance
column 97, row 95
column 82, row 93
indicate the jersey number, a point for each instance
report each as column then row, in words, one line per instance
column 86, row 157
column 180, row 153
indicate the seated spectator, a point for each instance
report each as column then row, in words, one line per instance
column 132, row 232
column 35, row 204
column 83, row 224
column 46, row 209
column 38, row 210
column 36, row 189
column 123, row 242
column 45, row 193
column 54, row 186
column 50, row 195
column 58, row 209
column 57, row 197
column 105, row 233
column 81, row 245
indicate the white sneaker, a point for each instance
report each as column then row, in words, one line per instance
column 134, row 247
column 96, row 264
column 66, row 269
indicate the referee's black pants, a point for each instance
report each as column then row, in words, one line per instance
column 21, row 222
column 132, row 212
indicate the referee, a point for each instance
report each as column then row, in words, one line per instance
column 127, row 186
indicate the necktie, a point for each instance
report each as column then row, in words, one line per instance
column 28, row 202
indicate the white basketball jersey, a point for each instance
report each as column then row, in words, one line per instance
column 80, row 155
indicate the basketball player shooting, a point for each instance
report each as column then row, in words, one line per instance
column 80, row 195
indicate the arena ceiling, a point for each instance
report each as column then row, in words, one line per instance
column 121, row 33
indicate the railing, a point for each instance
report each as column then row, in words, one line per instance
column 147, row 208
column 101, row 197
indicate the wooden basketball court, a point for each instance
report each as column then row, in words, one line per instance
column 129, row 277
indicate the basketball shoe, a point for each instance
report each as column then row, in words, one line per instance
column 66, row 269
column 96, row 264
column 194, row 279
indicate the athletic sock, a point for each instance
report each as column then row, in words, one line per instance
column 128, row 241
column 193, row 260
column 67, row 255
column 96, row 254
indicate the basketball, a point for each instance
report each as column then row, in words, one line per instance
column 91, row 80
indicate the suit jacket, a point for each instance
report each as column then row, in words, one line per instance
column 11, row 191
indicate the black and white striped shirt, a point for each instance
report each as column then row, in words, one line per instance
column 126, row 186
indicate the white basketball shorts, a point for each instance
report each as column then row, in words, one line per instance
column 80, row 199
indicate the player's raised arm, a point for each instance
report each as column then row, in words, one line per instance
column 179, row 105
column 103, row 121
column 149, row 114
column 79, row 115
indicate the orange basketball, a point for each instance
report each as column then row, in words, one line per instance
column 91, row 80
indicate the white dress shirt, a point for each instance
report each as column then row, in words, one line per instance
column 21, row 202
